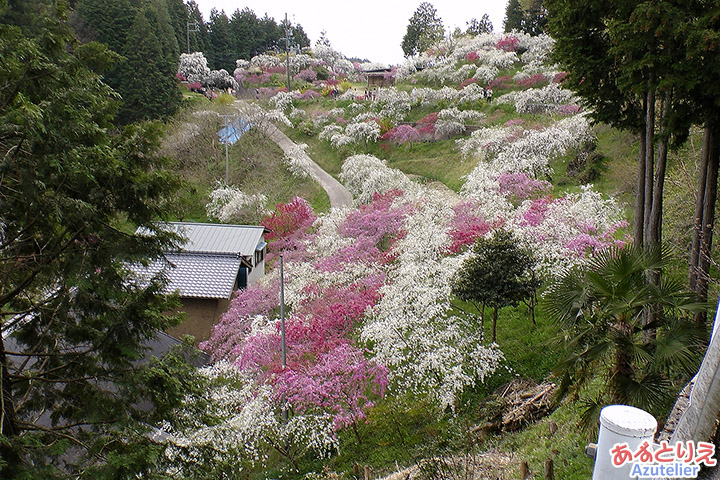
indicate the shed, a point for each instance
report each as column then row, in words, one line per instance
column 379, row 78
column 213, row 262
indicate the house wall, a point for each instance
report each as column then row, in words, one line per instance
column 202, row 314
column 257, row 273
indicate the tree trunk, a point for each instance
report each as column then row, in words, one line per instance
column 699, row 207
column 640, row 199
column 708, row 221
column 623, row 365
column 482, row 321
column 654, row 231
column 494, row 325
column 9, row 421
column 649, row 158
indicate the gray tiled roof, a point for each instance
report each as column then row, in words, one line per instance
column 197, row 276
column 207, row 265
column 217, row 238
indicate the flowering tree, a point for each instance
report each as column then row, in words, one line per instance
column 193, row 67
column 288, row 224
column 230, row 204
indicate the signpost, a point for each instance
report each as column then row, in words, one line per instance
column 229, row 135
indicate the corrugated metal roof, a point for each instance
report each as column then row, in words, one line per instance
column 207, row 265
column 196, row 275
column 219, row 238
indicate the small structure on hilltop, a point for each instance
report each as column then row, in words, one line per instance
column 379, row 78
column 214, row 261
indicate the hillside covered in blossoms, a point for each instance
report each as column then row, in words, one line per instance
column 263, row 259
column 373, row 316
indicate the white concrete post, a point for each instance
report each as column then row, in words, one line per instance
column 621, row 424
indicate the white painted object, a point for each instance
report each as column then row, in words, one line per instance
column 621, row 424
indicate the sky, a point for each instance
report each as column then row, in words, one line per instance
column 371, row 29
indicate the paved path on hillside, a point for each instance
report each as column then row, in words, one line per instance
column 339, row 196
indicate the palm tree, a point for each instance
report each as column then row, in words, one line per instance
column 603, row 311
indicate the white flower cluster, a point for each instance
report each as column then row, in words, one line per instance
column 355, row 133
column 470, row 43
column 538, row 100
column 365, row 66
column 533, row 150
column 451, row 121
column 265, row 61
column 300, row 62
column 282, row 101
column 486, row 141
column 550, row 239
column 348, row 94
column 261, row 118
column 220, row 79
column 428, row 349
column 486, row 73
column 236, row 421
column 228, row 203
column 414, row 64
column 451, row 96
column 193, row 66
column 538, row 48
column 363, row 175
column 297, row 161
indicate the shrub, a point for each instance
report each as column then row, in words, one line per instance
column 508, row 43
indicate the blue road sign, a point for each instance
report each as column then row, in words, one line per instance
column 232, row 133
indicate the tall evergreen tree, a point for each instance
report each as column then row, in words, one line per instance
column 477, row 27
column 534, row 19
column 179, row 16
column 513, row 16
column 160, row 19
column 271, row 33
column 301, row 38
column 244, row 26
column 73, row 322
column 220, row 53
column 107, row 21
column 147, row 83
column 424, row 30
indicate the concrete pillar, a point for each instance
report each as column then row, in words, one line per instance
column 621, row 424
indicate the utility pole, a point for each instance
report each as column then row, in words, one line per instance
column 287, row 38
column 195, row 28
column 227, row 140
column 283, row 351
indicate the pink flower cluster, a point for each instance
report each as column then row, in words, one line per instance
column 504, row 82
column 568, row 109
column 467, row 82
column 559, row 77
column 519, row 186
column 289, row 225
column 508, row 43
column 401, row 134
column 468, row 225
column 591, row 240
column 537, row 212
column 307, row 75
column 326, row 371
column 341, row 381
column 472, row 57
column 532, row 81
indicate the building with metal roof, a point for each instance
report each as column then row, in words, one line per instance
column 212, row 262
